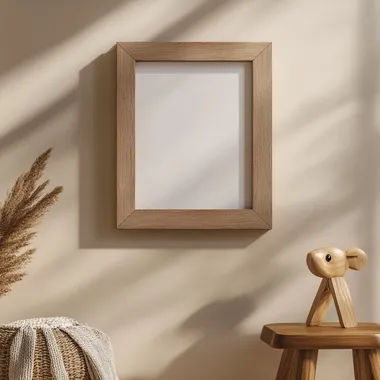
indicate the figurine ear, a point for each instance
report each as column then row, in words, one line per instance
column 356, row 258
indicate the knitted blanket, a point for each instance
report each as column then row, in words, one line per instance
column 94, row 344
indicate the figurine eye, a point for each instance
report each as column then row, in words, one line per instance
column 328, row 257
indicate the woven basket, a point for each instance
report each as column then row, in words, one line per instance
column 74, row 359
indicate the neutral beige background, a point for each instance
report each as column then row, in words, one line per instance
column 186, row 306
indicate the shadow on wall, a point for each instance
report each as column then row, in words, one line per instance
column 222, row 352
column 188, row 21
column 97, row 125
column 46, row 25
column 368, row 80
column 108, row 290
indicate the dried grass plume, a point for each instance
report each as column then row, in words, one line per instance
column 25, row 205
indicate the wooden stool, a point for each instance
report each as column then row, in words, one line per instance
column 301, row 342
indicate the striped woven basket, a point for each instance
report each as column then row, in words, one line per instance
column 54, row 349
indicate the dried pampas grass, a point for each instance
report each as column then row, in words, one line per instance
column 25, row 205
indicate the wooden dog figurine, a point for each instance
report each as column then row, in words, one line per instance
column 331, row 264
column 301, row 344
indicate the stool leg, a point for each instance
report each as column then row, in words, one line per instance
column 307, row 364
column 287, row 365
column 361, row 365
column 374, row 361
column 294, row 367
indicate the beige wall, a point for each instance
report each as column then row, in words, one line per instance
column 190, row 306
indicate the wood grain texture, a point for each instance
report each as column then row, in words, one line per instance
column 356, row 257
column 125, row 135
column 307, row 365
column 288, row 365
column 294, row 367
column 361, row 365
column 319, row 266
column 193, row 51
column 328, row 336
column 193, row 219
column 343, row 302
column 260, row 216
column 320, row 305
column 262, row 135
column 374, row 361
column 329, row 262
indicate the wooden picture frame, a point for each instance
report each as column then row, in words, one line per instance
column 259, row 216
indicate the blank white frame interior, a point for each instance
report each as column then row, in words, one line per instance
column 193, row 133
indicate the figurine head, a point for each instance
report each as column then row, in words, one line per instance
column 334, row 262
